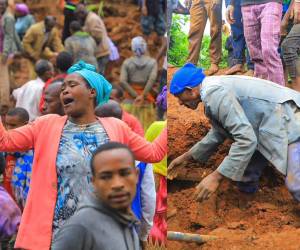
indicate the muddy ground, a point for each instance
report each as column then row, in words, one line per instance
column 269, row 219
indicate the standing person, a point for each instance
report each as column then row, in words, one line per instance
column 9, row 44
column 138, row 75
column 52, row 104
column 262, row 119
column 81, row 45
column 69, row 142
column 261, row 20
column 291, row 44
column 69, row 8
column 234, row 18
column 64, row 61
column 42, row 40
column 28, row 96
column 24, row 19
column 107, row 211
column 21, row 172
column 200, row 11
column 94, row 25
column 153, row 17
column 143, row 204
column 14, row 118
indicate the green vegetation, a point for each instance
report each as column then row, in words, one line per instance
column 178, row 50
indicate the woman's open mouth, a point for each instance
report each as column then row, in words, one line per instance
column 67, row 101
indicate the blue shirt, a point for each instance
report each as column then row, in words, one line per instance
column 74, row 176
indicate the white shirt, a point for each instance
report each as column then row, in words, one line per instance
column 28, row 97
column 148, row 202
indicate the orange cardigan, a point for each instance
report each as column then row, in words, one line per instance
column 43, row 135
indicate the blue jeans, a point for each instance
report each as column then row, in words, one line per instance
column 250, row 182
column 239, row 42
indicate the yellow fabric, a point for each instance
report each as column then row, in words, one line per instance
column 153, row 131
column 145, row 113
column 34, row 39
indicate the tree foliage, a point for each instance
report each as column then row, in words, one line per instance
column 178, row 49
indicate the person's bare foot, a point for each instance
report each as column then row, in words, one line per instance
column 234, row 69
column 250, row 72
column 214, row 68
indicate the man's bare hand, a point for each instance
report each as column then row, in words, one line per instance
column 208, row 186
column 229, row 14
column 175, row 165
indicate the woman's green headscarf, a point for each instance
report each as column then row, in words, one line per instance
column 96, row 81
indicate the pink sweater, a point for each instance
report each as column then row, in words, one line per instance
column 43, row 135
column 133, row 123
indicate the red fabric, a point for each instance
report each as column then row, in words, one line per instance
column 51, row 80
column 133, row 123
column 158, row 233
column 7, row 175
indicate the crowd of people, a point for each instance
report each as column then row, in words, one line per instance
column 73, row 145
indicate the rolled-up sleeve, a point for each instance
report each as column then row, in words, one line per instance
column 227, row 111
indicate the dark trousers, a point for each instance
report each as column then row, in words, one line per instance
column 290, row 49
column 237, row 32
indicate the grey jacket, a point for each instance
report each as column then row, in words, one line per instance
column 11, row 43
column 256, row 114
column 96, row 227
column 139, row 70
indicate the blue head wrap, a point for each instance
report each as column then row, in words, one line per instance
column 96, row 81
column 187, row 76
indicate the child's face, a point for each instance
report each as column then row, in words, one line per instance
column 115, row 178
column 13, row 122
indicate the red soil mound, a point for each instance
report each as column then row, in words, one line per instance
column 269, row 219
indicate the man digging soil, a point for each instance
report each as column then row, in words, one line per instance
column 261, row 117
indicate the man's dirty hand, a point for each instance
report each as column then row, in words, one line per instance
column 175, row 165
column 208, row 186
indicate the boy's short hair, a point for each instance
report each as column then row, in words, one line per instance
column 20, row 112
column 75, row 26
column 109, row 146
column 120, row 92
column 109, row 109
column 42, row 66
column 64, row 61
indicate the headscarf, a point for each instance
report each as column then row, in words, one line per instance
column 187, row 76
column 22, row 8
column 161, row 99
column 138, row 46
column 96, row 81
